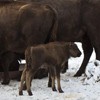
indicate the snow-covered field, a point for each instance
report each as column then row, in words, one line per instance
column 75, row 88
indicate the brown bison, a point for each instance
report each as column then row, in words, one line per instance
column 78, row 20
column 52, row 55
column 71, row 26
column 22, row 25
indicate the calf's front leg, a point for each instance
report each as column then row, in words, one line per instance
column 58, row 80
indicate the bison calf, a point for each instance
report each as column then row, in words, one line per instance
column 52, row 55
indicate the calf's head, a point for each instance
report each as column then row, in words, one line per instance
column 74, row 50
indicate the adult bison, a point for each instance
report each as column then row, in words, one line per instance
column 22, row 25
column 78, row 20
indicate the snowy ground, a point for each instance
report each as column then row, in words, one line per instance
column 79, row 88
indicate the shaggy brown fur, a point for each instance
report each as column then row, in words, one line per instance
column 52, row 55
column 22, row 25
column 78, row 19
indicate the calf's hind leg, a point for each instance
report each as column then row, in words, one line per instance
column 28, row 81
column 23, row 78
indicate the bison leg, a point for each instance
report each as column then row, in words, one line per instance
column 49, row 75
column 6, row 78
column 24, row 86
column 53, row 83
column 5, row 65
column 58, row 80
column 7, row 59
column 23, row 79
column 87, row 49
column 49, row 81
column 52, row 76
column 28, row 81
column 64, row 66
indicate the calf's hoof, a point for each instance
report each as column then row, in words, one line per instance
column 30, row 93
column 54, row 89
column 20, row 93
column 61, row 91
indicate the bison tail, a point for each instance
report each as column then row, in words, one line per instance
column 54, row 27
column 53, row 32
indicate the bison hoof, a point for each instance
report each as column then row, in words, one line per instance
column 5, row 82
column 61, row 91
column 63, row 71
column 77, row 74
column 54, row 89
column 20, row 93
column 30, row 93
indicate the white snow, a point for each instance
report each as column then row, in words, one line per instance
column 86, row 87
